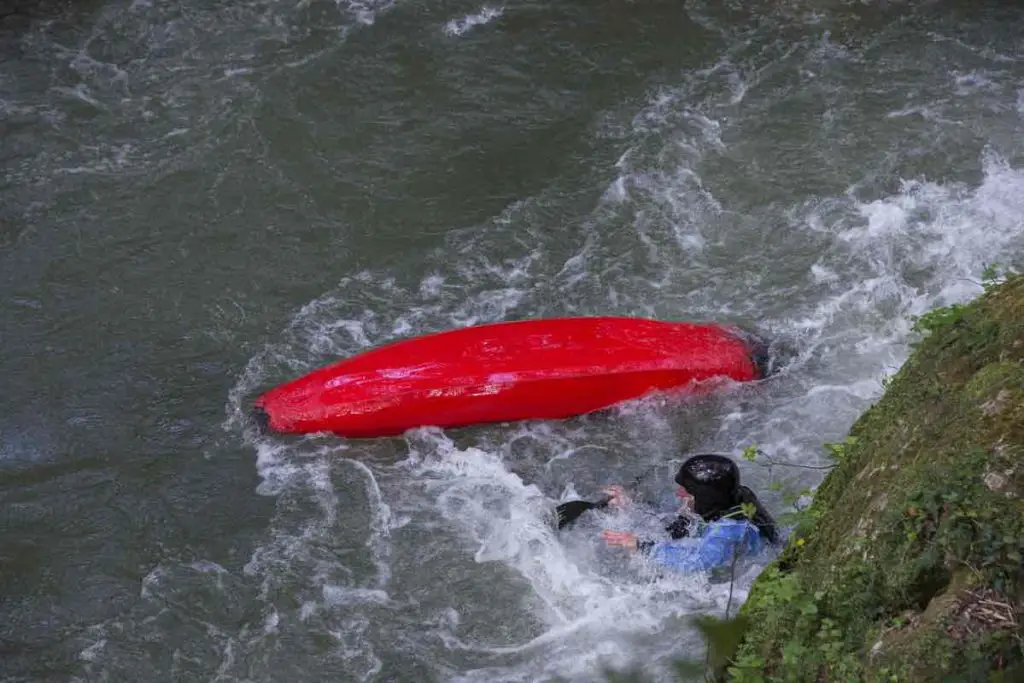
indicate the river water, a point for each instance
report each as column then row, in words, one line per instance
column 202, row 199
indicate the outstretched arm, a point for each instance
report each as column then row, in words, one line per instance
column 693, row 554
column 714, row 549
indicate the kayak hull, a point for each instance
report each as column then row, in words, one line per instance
column 547, row 369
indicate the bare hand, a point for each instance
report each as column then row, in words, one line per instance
column 617, row 494
column 623, row 539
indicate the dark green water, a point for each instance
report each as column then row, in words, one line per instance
column 200, row 200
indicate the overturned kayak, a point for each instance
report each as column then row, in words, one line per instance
column 503, row 372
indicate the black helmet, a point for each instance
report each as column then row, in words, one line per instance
column 714, row 482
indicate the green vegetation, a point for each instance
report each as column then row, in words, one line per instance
column 907, row 565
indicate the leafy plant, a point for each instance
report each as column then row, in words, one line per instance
column 839, row 451
column 994, row 275
column 938, row 318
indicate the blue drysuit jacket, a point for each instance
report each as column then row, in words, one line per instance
column 711, row 547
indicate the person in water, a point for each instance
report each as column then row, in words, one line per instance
column 732, row 520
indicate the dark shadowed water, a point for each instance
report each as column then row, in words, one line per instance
column 202, row 199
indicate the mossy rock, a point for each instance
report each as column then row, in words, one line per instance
column 910, row 566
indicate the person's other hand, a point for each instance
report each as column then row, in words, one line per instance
column 623, row 539
column 617, row 495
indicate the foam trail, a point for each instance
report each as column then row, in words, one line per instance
column 487, row 14
column 589, row 609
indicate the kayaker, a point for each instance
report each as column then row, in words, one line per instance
column 709, row 484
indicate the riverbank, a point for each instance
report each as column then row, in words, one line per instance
column 907, row 565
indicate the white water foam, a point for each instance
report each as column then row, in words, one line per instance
column 487, row 14
column 593, row 615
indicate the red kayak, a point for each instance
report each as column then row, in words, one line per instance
column 532, row 370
